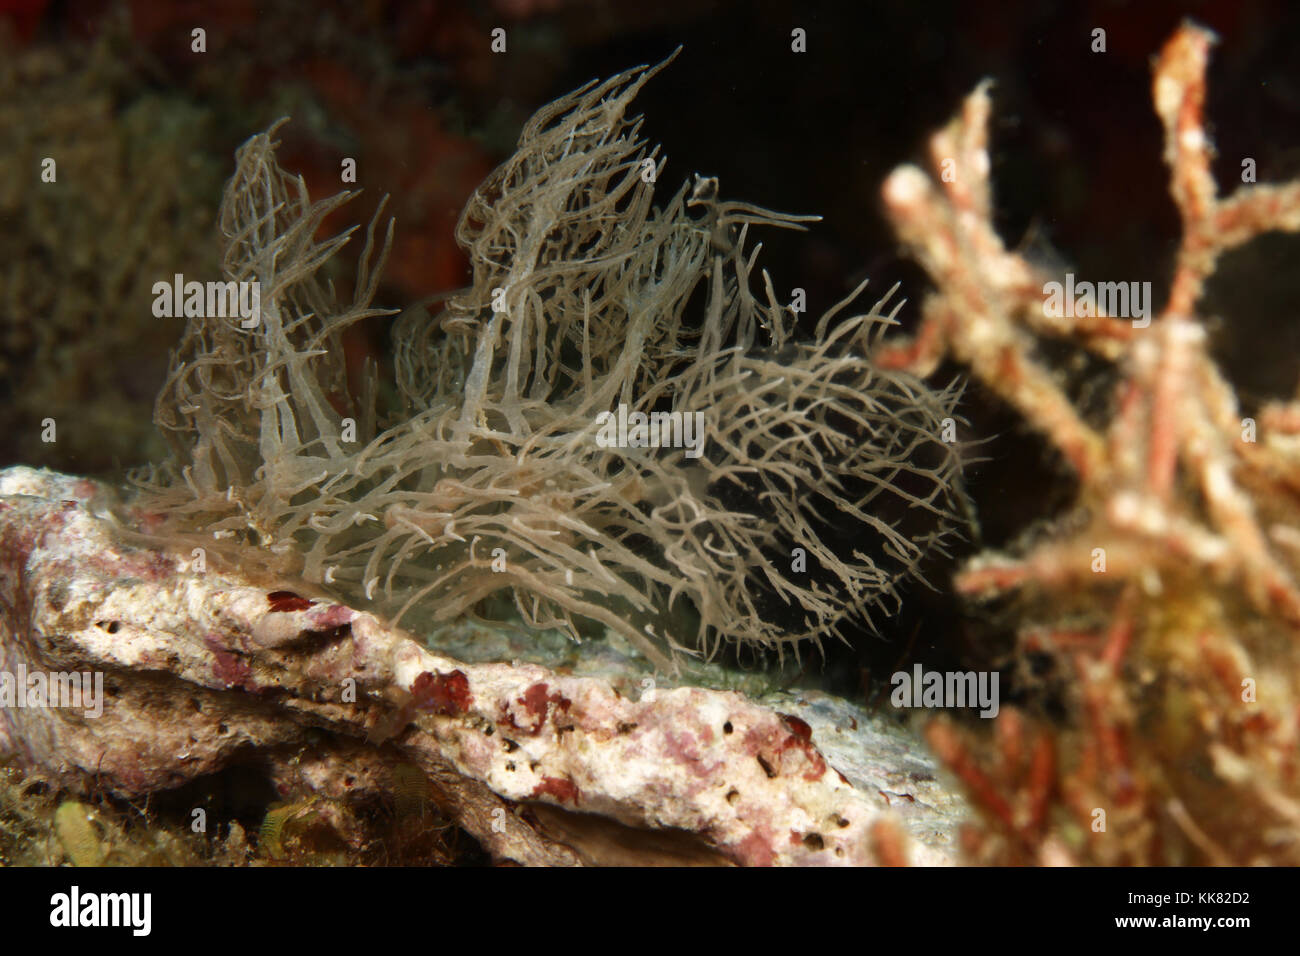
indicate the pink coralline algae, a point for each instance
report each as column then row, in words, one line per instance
column 445, row 694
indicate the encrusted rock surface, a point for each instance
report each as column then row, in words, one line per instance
column 203, row 668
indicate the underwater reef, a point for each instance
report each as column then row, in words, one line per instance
column 625, row 440
column 609, row 428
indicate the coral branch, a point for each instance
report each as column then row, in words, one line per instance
column 1191, row 526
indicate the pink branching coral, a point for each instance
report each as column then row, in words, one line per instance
column 1170, row 604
